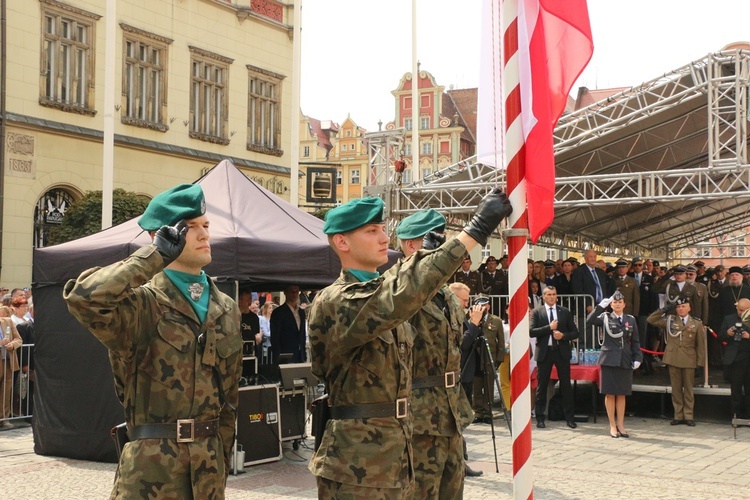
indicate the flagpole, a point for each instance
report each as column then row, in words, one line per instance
column 517, row 237
column 414, row 96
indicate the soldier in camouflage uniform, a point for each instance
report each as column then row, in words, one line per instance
column 440, row 408
column 361, row 347
column 172, row 336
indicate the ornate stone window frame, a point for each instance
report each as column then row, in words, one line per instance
column 159, row 70
column 82, row 24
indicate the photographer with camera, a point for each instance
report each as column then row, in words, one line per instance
column 737, row 356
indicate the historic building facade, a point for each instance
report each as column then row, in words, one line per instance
column 195, row 82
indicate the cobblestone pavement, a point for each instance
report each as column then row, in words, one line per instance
column 659, row 461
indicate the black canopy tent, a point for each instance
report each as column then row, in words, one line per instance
column 257, row 240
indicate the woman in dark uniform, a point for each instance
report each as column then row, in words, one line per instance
column 620, row 355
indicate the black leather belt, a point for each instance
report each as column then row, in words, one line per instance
column 184, row 431
column 397, row 409
column 447, row 380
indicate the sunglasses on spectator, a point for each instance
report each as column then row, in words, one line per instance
column 639, row 264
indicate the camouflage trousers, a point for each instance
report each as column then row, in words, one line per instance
column 438, row 466
column 330, row 490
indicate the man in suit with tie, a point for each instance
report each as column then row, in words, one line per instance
column 554, row 328
column 288, row 330
column 588, row 279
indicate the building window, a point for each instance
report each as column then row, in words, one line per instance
column 424, row 123
column 354, row 176
column 348, row 133
column 338, row 177
column 209, row 96
column 407, row 149
column 485, row 252
column 703, row 252
column 407, row 123
column 426, row 172
column 306, row 151
column 144, row 79
column 406, row 177
column 426, row 148
column 67, row 58
column 49, row 213
column 550, row 254
column 264, row 111
column 737, row 251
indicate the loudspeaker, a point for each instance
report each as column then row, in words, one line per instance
column 293, row 406
column 259, row 424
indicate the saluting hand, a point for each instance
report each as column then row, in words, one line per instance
column 170, row 241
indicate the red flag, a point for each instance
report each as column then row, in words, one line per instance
column 554, row 45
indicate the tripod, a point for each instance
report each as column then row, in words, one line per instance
column 487, row 366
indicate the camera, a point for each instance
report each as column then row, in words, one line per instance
column 738, row 332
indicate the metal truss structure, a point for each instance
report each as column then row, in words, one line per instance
column 655, row 168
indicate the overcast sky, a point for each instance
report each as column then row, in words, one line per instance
column 354, row 52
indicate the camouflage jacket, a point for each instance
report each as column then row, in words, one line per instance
column 161, row 373
column 439, row 411
column 355, row 351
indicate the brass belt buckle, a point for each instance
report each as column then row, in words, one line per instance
column 450, row 379
column 191, row 427
column 402, row 407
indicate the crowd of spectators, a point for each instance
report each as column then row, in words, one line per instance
column 714, row 299
column 16, row 355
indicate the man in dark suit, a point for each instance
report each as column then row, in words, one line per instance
column 553, row 328
column 588, row 279
column 288, row 331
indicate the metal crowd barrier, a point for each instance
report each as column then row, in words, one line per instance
column 588, row 338
column 16, row 398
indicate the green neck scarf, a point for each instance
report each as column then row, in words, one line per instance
column 185, row 282
column 364, row 275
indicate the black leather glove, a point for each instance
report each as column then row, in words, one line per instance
column 432, row 240
column 669, row 308
column 170, row 241
column 490, row 213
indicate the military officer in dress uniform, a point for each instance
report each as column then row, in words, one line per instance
column 702, row 276
column 628, row 287
column 492, row 281
column 361, row 346
column 673, row 286
column 699, row 306
column 491, row 327
column 466, row 276
column 685, row 349
column 175, row 348
column 440, row 408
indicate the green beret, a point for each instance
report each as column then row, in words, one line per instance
column 421, row 223
column 353, row 215
column 185, row 201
